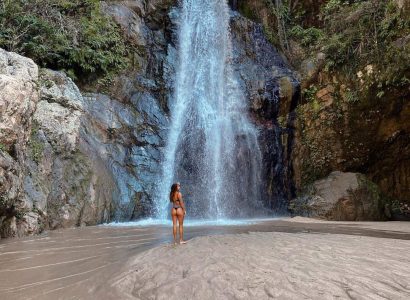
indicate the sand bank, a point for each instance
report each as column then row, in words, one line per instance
column 390, row 226
column 270, row 265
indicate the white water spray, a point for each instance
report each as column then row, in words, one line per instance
column 212, row 147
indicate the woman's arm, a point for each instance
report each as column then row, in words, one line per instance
column 182, row 202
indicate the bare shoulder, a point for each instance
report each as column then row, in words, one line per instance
column 179, row 194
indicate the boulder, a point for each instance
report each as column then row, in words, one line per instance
column 341, row 197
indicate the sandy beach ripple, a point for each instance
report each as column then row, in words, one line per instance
column 271, row 265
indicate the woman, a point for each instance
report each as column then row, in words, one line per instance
column 177, row 212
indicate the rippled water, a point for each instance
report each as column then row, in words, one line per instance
column 212, row 147
column 188, row 222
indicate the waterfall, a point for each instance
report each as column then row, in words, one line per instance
column 212, row 147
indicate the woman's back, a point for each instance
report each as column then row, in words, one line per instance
column 174, row 197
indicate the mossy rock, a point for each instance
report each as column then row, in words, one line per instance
column 342, row 197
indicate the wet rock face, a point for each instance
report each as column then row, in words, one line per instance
column 126, row 129
column 262, row 11
column 125, row 137
column 271, row 88
column 136, row 112
column 96, row 157
column 70, row 160
column 342, row 197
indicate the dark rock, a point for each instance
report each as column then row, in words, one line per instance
column 272, row 88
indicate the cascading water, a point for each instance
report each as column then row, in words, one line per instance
column 212, row 147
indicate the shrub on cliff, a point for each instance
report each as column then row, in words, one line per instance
column 367, row 41
column 74, row 36
column 365, row 33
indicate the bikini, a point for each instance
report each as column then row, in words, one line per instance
column 176, row 206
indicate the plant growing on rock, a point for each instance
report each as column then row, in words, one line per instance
column 74, row 36
column 36, row 146
column 352, row 96
column 374, row 40
column 307, row 37
column 309, row 93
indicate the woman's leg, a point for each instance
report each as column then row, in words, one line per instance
column 174, row 224
column 180, row 215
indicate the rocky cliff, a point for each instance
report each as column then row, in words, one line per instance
column 83, row 153
column 18, row 102
column 353, row 114
column 73, row 158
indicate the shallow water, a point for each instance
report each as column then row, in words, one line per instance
column 190, row 223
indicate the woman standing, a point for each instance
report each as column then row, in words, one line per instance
column 177, row 212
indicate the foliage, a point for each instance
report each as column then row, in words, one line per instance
column 333, row 6
column 282, row 120
column 309, row 94
column 377, row 26
column 74, row 36
column 20, row 213
column 353, row 35
column 246, row 10
column 307, row 36
column 271, row 36
column 352, row 97
column 282, row 14
column 36, row 146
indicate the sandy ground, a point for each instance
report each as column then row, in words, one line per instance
column 396, row 226
column 285, row 258
column 270, row 265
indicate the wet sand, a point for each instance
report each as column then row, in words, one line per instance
column 86, row 263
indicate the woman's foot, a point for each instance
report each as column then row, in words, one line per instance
column 182, row 242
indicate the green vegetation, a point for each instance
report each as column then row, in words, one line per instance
column 36, row 146
column 307, row 37
column 20, row 213
column 309, row 94
column 352, row 97
column 366, row 41
column 246, row 11
column 70, row 35
column 270, row 35
column 282, row 120
column 372, row 40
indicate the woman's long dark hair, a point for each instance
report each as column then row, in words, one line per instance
column 173, row 191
